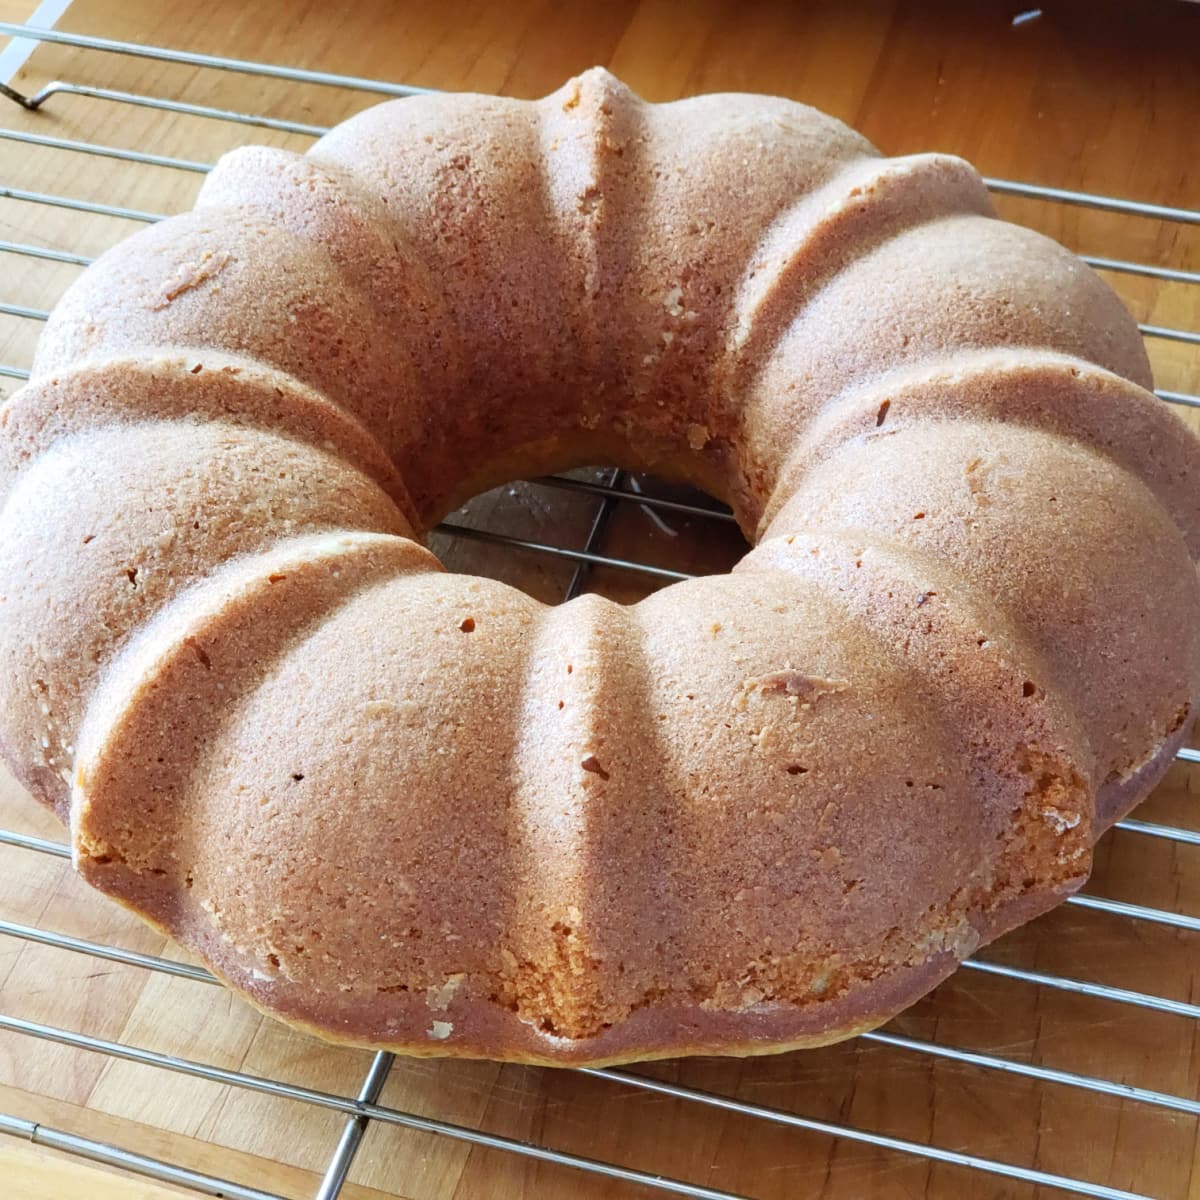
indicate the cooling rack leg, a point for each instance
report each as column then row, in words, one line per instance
column 352, row 1135
column 584, row 569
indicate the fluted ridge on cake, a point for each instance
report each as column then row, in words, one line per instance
column 216, row 475
column 1027, row 514
column 599, row 944
column 862, row 206
column 355, row 862
column 791, row 704
column 869, row 201
column 166, row 699
column 591, row 133
column 166, row 385
column 239, row 283
column 701, row 177
column 1022, row 760
column 1036, row 389
column 461, row 179
column 351, row 225
column 947, row 286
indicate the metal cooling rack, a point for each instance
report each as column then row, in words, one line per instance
column 611, row 489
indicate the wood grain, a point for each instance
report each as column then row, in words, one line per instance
column 1101, row 97
column 31, row 1171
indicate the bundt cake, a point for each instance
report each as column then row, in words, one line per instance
column 406, row 808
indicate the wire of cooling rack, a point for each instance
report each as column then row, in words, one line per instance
column 611, row 490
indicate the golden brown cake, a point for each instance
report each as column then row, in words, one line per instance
column 412, row 809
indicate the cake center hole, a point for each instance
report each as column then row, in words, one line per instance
column 596, row 529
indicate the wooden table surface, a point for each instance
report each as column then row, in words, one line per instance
column 1086, row 96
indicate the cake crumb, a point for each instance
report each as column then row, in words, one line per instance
column 798, row 685
column 439, row 996
column 1059, row 820
column 192, row 275
column 592, row 763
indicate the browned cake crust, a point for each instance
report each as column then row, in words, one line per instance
column 410, row 809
